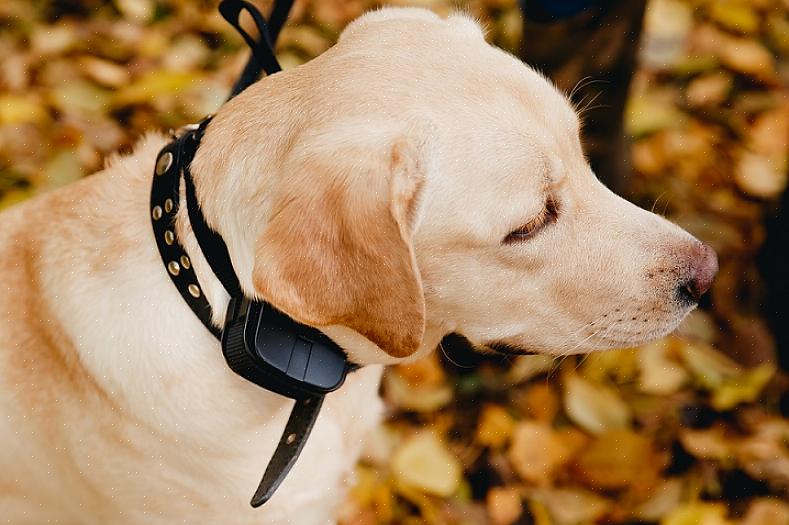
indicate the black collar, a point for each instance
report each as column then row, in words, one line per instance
column 259, row 343
column 165, row 199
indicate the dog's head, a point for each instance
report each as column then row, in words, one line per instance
column 415, row 181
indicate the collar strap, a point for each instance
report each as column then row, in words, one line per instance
column 165, row 198
column 259, row 343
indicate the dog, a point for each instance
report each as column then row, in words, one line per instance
column 410, row 182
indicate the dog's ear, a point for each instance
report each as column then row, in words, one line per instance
column 337, row 249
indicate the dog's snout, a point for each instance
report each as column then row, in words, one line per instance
column 703, row 268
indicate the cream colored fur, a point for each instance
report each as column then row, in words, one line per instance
column 367, row 192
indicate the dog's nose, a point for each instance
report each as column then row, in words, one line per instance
column 703, row 267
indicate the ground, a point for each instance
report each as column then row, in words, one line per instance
column 685, row 431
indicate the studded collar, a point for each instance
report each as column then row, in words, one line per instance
column 165, row 200
column 260, row 344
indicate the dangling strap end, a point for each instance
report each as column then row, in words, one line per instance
column 297, row 430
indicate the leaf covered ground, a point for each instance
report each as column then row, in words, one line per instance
column 684, row 431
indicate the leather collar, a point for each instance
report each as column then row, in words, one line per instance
column 315, row 364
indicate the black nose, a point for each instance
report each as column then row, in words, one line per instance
column 703, row 267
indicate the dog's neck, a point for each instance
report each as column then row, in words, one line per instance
column 240, row 228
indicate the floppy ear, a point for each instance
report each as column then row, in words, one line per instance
column 337, row 248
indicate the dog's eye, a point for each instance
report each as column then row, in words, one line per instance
column 549, row 214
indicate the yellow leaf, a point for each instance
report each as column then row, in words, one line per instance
column 708, row 366
column 659, row 374
column 527, row 366
column 663, row 499
column 63, row 168
column 710, row 89
column 421, row 398
column 80, row 97
column 154, row 85
column 743, row 389
column 707, row 444
column 735, row 15
column 136, row 10
column 619, row 459
column 572, row 506
column 16, row 109
column 748, row 57
column 105, row 72
column 424, row 463
column 503, row 505
column 759, row 177
column 594, row 407
column 495, row 426
column 537, row 451
column 621, row 365
column 697, row 514
column 767, row 511
column 653, row 112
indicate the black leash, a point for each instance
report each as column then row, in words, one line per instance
column 259, row 343
column 262, row 57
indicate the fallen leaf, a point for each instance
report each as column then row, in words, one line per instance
column 619, row 459
column 425, row 464
column 541, row 402
column 653, row 112
column 20, row 109
column 748, row 57
column 757, row 176
column 537, row 451
column 136, row 10
column 504, row 505
column 105, row 72
column 525, row 367
column 707, row 365
column 697, row 513
column 572, row 506
column 153, row 85
column 769, row 134
column 742, row 389
column 495, row 426
column 710, row 89
column 418, row 399
column 712, row 443
column 659, row 374
column 62, row 169
column 594, row 407
column 734, row 15
column 663, row 499
column 767, row 511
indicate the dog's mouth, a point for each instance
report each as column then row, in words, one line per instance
column 503, row 348
column 460, row 349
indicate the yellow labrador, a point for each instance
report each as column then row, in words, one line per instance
column 410, row 182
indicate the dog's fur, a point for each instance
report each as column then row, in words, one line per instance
column 368, row 192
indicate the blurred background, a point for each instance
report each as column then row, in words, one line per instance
column 687, row 110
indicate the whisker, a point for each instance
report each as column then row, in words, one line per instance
column 446, row 354
column 654, row 204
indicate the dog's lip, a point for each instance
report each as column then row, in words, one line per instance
column 509, row 349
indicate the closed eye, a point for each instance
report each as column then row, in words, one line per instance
column 548, row 215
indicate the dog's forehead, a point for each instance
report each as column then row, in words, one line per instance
column 445, row 64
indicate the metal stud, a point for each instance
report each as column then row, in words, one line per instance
column 185, row 262
column 156, row 213
column 169, row 237
column 173, row 268
column 168, row 205
column 194, row 290
column 164, row 163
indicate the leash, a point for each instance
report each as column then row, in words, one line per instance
column 259, row 343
